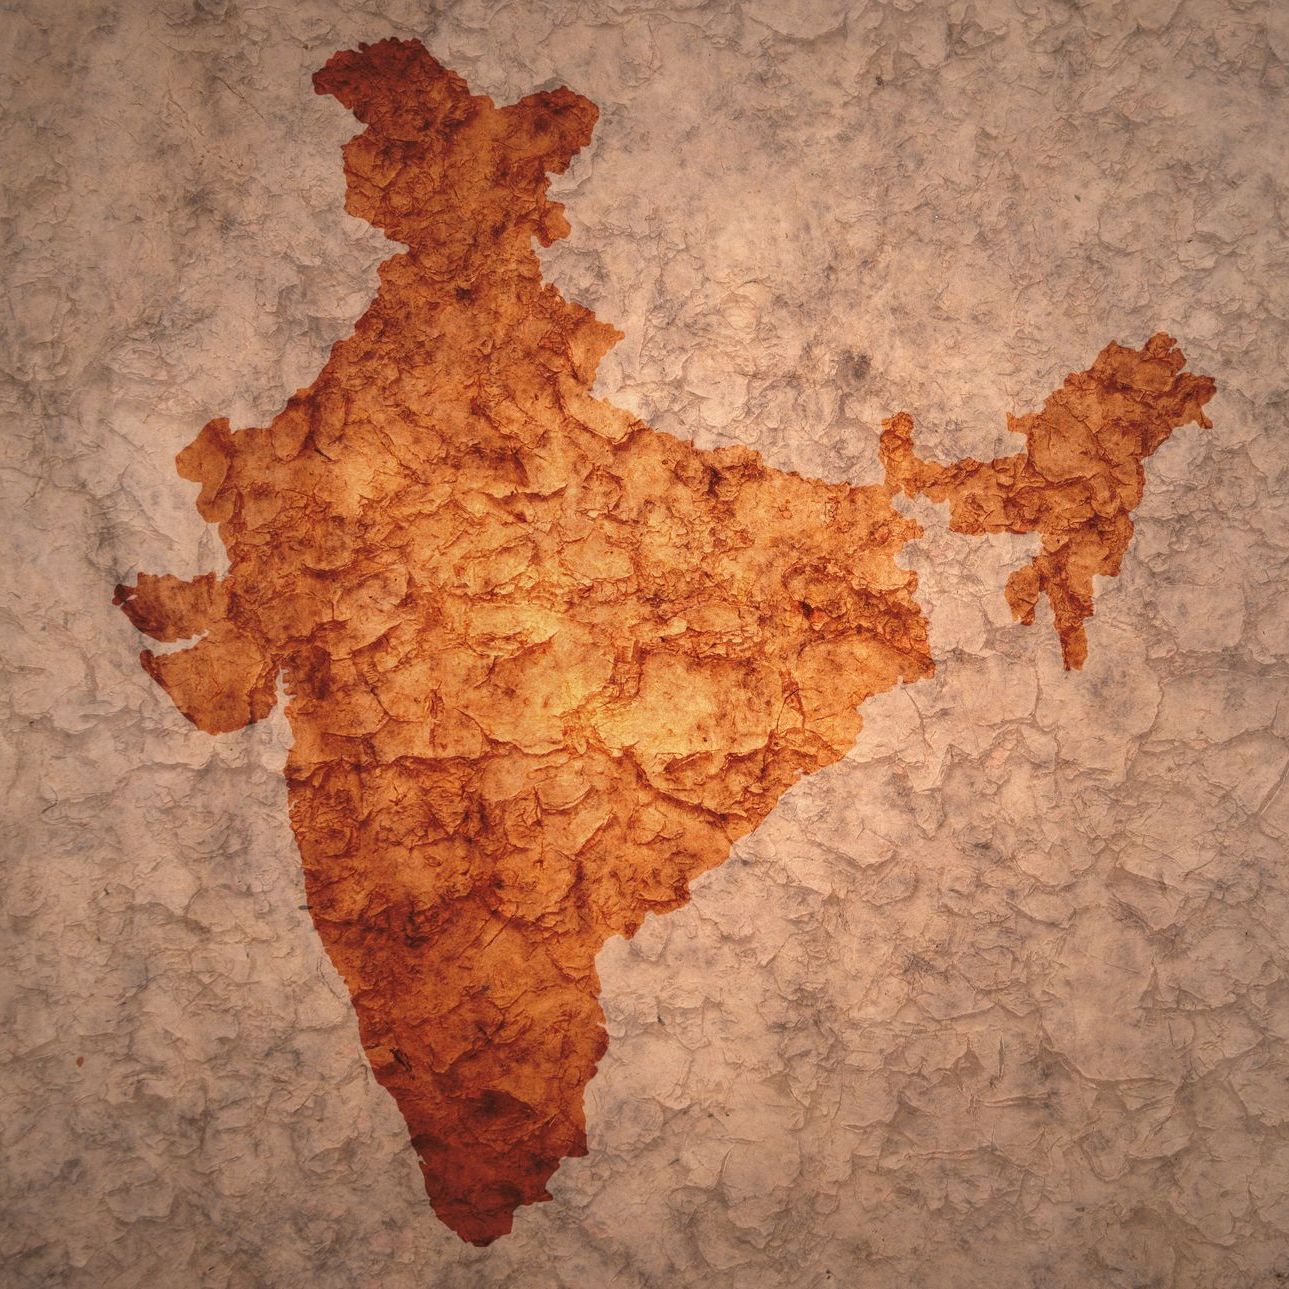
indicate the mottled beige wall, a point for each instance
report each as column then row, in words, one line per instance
column 998, row 1001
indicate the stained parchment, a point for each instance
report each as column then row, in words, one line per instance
column 546, row 665
column 996, row 998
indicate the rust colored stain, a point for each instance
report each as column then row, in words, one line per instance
column 543, row 664
column 1077, row 482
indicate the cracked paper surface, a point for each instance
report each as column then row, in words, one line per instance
column 545, row 665
column 995, row 998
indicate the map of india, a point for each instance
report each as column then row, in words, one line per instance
column 544, row 665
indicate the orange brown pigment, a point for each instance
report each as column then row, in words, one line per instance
column 544, row 665
column 1077, row 482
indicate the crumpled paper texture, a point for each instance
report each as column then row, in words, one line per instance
column 997, row 999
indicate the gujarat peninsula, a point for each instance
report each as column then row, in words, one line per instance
column 544, row 665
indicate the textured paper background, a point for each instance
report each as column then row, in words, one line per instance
column 1000, row 999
